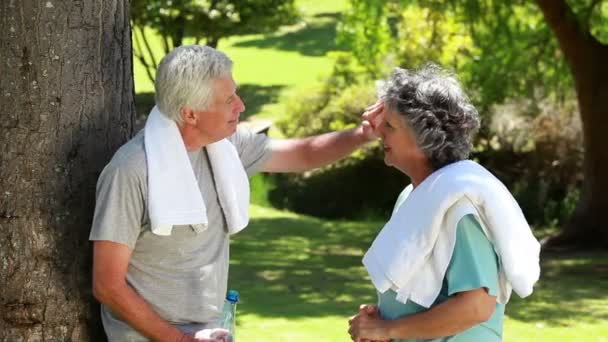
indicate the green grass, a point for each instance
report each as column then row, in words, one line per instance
column 271, row 67
column 300, row 279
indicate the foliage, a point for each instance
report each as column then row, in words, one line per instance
column 500, row 49
column 539, row 157
column 360, row 185
column 337, row 104
column 357, row 188
column 210, row 20
column 533, row 146
column 366, row 30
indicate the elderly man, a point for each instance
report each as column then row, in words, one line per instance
column 162, row 224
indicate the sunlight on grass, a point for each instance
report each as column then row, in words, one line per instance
column 270, row 67
column 301, row 278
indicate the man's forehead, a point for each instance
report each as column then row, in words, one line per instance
column 225, row 84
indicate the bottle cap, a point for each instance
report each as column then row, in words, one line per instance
column 232, row 296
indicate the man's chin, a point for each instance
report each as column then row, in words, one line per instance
column 231, row 130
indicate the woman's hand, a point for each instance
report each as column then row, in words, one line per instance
column 371, row 120
column 367, row 326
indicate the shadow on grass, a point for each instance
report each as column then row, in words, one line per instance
column 315, row 39
column 573, row 288
column 302, row 267
column 255, row 96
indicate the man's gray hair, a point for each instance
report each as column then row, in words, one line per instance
column 185, row 78
column 433, row 104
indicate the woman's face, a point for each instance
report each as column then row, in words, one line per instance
column 400, row 148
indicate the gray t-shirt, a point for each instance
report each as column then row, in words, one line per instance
column 183, row 276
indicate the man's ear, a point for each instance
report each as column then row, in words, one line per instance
column 188, row 116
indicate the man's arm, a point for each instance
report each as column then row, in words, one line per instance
column 296, row 155
column 110, row 262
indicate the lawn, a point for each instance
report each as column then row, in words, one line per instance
column 271, row 67
column 300, row 279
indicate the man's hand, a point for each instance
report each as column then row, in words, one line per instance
column 367, row 326
column 371, row 120
column 208, row 335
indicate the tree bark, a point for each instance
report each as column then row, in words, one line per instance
column 212, row 42
column 587, row 60
column 66, row 103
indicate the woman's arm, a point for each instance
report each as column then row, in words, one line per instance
column 457, row 314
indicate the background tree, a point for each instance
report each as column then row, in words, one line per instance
column 207, row 21
column 66, row 104
column 520, row 50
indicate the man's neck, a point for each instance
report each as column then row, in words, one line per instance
column 192, row 139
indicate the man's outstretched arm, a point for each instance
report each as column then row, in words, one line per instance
column 296, row 155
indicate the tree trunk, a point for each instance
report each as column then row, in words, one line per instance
column 586, row 57
column 212, row 42
column 587, row 226
column 67, row 103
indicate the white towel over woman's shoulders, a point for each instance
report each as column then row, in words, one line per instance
column 174, row 196
column 411, row 254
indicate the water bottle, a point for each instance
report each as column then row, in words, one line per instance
column 229, row 314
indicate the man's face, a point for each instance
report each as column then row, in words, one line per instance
column 220, row 119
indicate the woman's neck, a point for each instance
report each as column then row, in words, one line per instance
column 419, row 173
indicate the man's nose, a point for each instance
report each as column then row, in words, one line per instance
column 240, row 104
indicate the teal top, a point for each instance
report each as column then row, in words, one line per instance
column 474, row 265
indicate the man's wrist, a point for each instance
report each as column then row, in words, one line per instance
column 361, row 136
column 177, row 335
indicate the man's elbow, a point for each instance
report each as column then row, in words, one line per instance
column 104, row 290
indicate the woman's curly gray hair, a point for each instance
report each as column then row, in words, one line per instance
column 433, row 104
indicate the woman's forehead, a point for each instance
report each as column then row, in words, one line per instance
column 391, row 115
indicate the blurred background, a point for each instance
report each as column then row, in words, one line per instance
column 306, row 67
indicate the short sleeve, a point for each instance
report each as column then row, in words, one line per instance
column 253, row 148
column 474, row 263
column 119, row 205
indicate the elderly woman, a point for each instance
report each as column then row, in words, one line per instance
column 457, row 242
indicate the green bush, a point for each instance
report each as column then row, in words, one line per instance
column 539, row 157
column 361, row 189
column 535, row 148
column 358, row 186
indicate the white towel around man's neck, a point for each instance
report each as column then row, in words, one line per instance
column 403, row 255
column 174, row 196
